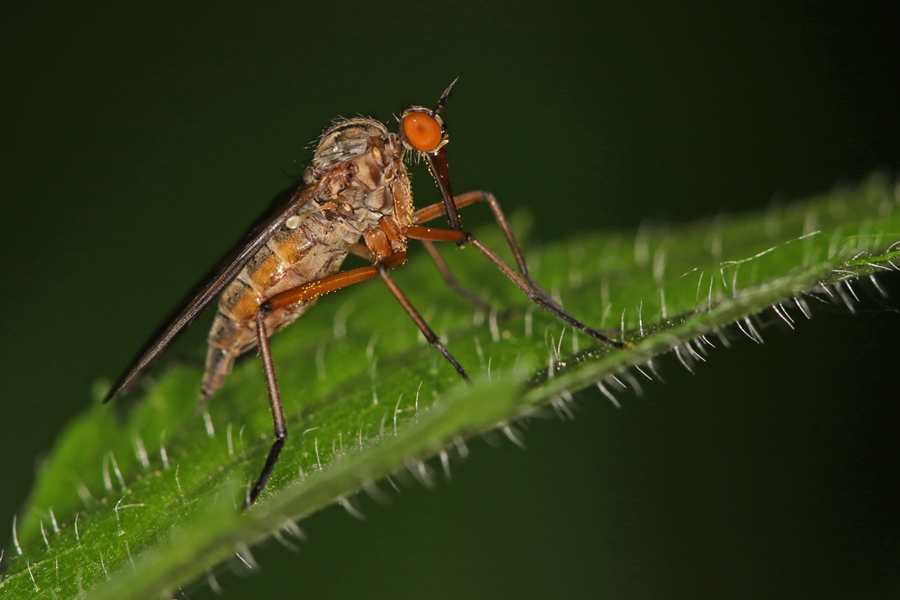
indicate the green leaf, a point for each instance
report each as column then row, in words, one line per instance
column 137, row 508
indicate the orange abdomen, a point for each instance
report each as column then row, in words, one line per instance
column 293, row 256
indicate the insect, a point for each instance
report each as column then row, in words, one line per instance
column 357, row 188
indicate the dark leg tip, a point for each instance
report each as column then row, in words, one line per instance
column 263, row 480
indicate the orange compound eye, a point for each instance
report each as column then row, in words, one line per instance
column 422, row 131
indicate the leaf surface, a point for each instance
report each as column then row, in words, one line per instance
column 137, row 508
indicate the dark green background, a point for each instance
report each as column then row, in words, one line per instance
column 139, row 140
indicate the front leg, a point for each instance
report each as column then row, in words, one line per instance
column 436, row 210
column 464, row 237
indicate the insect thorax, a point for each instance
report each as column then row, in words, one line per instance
column 358, row 166
column 343, row 141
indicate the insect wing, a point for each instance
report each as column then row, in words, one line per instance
column 214, row 282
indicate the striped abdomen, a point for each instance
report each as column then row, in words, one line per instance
column 293, row 256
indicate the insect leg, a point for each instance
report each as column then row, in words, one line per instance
column 449, row 235
column 309, row 290
column 339, row 280
column 262, row 338
column 419, row 321
column 362, row 251
column 330, row 283
column 451, row 280
column 432, row 212
column 435, row 210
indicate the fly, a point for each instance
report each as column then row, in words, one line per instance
column 355, row 198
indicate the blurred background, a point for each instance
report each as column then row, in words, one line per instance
column 139, row 140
